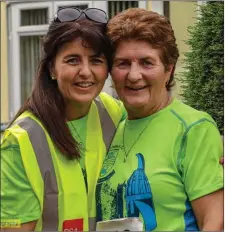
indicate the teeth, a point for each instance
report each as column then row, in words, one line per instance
column 84, row 84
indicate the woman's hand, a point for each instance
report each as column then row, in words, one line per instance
column 29, row 226
column 222, row 161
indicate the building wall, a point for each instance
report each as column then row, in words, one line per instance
column 4, row 73
column 182, row 15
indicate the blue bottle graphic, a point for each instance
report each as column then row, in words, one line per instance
column 139, row 196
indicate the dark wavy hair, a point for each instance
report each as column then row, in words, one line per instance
column 140, row 24
column 46, row 101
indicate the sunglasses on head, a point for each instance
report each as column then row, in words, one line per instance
column 69, row 14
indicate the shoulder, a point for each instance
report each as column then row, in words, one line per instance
column 9, row 142
column 27, row 117
column 25, row 124
column 113, row 106
column 189, row 116
column 10, row 154
column 109, row 99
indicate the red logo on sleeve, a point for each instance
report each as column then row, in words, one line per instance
column 73, row 225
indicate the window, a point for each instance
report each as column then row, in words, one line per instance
column 161, row 7
column 30, row 53
column 29, row 47
column 166, row 9
column 34, row 17
column 81, row 7
column 78, row 4
column 27, row 24
column 115, row 7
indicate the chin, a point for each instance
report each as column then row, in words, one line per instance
column 136, row 102
column 84, row 99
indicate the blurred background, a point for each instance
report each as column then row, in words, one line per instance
column 24, row 22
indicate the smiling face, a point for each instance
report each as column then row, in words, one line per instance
column 79, row 72
column 140, row 78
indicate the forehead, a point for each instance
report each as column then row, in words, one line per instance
column 135, row 49
column 76, row 46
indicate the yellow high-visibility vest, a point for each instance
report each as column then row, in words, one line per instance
column 58, row 182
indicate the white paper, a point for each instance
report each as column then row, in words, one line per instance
column 121, row 224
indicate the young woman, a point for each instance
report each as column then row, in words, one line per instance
column 52, row 152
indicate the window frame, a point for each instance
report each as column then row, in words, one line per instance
column 142, row 4
column 157, row 6
column 14, row 53
column 58, row 4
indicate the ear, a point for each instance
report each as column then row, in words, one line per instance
column 169, row 72
column 52, row 70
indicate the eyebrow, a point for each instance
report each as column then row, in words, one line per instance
column 119, row 59
column 71, row 55
column 78, row 55
column 142, row 58
column 148, row 58
column 98, row 55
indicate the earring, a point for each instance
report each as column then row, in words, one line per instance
column 53, row 78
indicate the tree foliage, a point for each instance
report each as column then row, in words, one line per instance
column 203, row 79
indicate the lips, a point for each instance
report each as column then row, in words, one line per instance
column 84, row 84
column 136, row 88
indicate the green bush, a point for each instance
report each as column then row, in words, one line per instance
column 203, row 78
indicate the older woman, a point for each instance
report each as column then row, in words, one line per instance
column 52, row 153
column 163, row 165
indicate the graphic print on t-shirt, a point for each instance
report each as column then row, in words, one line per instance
column 135, row 193
column 107, row 168
column 139, row 196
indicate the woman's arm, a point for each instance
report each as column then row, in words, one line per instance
column 202, row 174
column 209, row 211
column 29, row 226
column 18, row 200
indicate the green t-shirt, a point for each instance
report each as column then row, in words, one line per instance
column 157, row 165
column 18, row 200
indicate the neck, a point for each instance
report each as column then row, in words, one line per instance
column 75, row 111
column 145, row 111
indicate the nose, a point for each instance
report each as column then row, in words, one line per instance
column 85, row 70
column 134, row 73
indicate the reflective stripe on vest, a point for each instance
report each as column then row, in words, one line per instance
column 42, row 151
column 43, row 155
column 108, row 127
column 92, row 224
